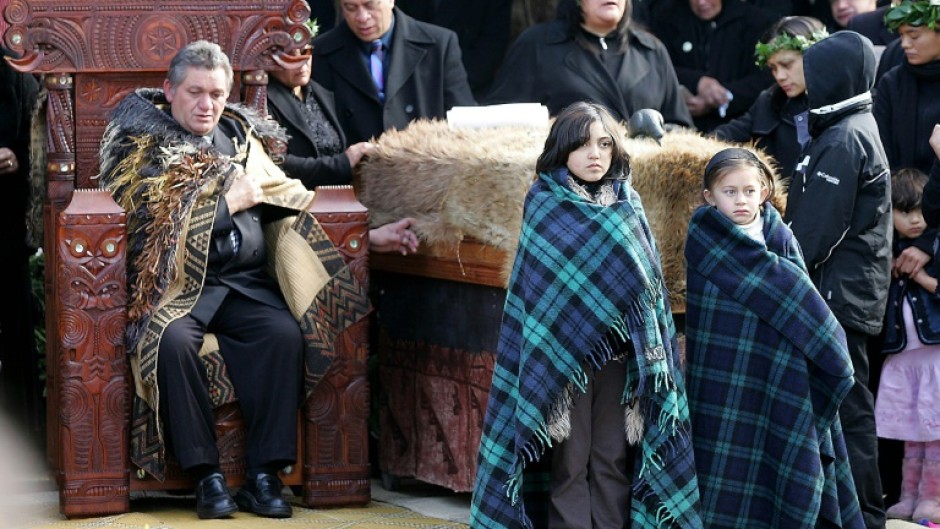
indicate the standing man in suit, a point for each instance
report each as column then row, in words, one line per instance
column 387, row 69
column 482, row 28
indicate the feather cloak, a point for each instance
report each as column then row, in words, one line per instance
column 170, row 190
column 767, row 368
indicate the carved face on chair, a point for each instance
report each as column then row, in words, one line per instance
column 90, row 267
column 198, row 100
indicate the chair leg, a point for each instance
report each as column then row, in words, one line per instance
column 92, row 375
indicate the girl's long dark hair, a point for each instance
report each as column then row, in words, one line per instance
column 572, row 129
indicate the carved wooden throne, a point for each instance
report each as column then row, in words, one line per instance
column 93, row 52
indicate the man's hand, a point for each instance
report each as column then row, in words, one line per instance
column 910, row 262
column 712, row 91
column 356, row 151
column 8, row 162
column 244, row 193
column 697, row 106
column 394, row 237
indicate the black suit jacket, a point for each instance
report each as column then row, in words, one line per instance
column 303, row 160
column 243, row 272
column 425, row 77
column 482, row 28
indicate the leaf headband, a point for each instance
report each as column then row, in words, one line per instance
column 763, row 51
column 910, row 13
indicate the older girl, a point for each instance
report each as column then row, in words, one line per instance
column 587, row 343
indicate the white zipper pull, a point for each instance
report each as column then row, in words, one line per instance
column 603, row 42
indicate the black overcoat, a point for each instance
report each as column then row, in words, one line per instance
column 548, row 67
column 425, row 77
column 771, row 123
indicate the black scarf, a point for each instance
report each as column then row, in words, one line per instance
column 905, row 122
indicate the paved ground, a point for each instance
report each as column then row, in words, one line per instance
column 23, row 485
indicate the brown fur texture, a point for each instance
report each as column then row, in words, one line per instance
column 472, row 183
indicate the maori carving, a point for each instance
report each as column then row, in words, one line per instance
column 93, row 373
column 336, row 457
column 96, row 96
column 110, row 35
column 256, row 93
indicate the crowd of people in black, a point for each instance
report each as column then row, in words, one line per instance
column 742, row 71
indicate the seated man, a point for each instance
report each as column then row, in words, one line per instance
column 194, row 176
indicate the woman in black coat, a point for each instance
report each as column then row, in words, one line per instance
column 778, row 121
column 591, row 52
column 317, row 154
column 906, row 104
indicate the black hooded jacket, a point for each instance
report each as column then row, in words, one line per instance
column 839, row 202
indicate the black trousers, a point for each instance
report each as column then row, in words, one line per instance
column 858, row 423
column 592, row 468
column 263, row 350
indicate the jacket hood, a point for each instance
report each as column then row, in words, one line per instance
column 839, row 72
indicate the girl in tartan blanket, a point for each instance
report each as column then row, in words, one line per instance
column 587, row 363
column 767, row 364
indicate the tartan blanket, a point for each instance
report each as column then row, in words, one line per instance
column 586, row 277
column 767, row 369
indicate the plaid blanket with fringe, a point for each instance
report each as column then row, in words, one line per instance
column 767, row 369
column 584, row 276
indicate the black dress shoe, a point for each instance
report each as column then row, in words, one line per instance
column 262, row 496
column 213, row 499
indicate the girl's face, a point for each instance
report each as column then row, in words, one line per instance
column 921, row 45
column 787, row 69
column 591, row 161
column 909, row 224
column 738, row 194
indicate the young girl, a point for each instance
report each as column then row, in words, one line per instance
column 767, row 364
column 587, row 360
column 907, row 407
